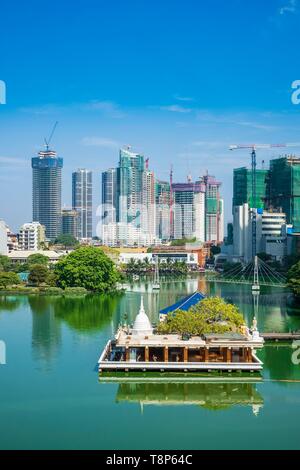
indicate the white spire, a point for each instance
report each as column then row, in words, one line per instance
column 142, row 325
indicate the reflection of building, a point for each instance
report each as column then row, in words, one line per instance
column 46, row 331
column 207, row 395
column 31, row 236
column 46, row 192
column 82, row 202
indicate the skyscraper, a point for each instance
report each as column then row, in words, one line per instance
column 46, row 191
column 284, row 188
column 162, row 200
column 82, row 202
column 70, row 222
column 109, row 196
column 242, row 188
column 214, row 210
column 189, row 210
column 130, row 185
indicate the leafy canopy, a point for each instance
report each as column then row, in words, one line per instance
column 211, row 315
column 66, row 240
column 38, row 274
column 37, row 258
column 87, row 267
column 8, row 279
column 294, row 279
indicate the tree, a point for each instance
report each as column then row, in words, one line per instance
column 5, row 263
column 215, row 250
column 8, row 279
column 211, row 315
column 87, row 267
column 38, row 274
column 66, row 240
column 294, row 279
column 37, row 258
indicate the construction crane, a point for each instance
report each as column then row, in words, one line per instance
column 253, row 148
column 47, row 141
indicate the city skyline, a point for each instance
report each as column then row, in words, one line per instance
column 171, row 107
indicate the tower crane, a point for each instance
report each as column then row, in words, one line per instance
column 253, row 148
column 47, row 141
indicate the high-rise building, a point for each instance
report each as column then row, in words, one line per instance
column 242, row 187
column 214, row 210
column 70, row 222
column 46, row 191
column 270, row 236
column 82, row 202
column 284, row 188
column 109, row 196
column 148, row 213
column 31, row 236
column 130, row 186
column 189, row 210
column 3, row 238
column 162, row 201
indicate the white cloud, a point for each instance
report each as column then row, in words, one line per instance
column 107, row 107
column 183, row 98
column 289, row 7
column 8, row 161
column 175, row 108
column 100, row 142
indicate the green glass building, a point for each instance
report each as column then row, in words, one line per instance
column 284, row 188
column 242, row 188
column 130, row 177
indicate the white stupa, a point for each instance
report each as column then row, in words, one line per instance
column 142, row 325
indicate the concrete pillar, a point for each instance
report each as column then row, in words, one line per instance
column 229, row 355
column 206, row 352
column 185, row 354
column 166, row 354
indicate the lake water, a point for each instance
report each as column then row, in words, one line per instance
column 51, row 398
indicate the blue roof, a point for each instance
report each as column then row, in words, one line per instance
column 184, row 304
column 23, row 276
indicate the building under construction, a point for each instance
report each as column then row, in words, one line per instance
column 283, row 188
column 242, row 187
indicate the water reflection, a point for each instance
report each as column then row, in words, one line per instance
column 212, row 396
column 46, row 330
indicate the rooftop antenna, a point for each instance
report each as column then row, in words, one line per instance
column 47, row 141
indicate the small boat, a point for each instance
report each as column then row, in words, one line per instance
column 156, row 283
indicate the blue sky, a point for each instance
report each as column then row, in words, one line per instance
column 178, row 80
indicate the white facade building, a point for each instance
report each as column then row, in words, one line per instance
column 126, row 234
column 270, row 237
column 31, row 236
column 3, row 238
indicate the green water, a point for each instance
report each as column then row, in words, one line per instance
column 50, row 395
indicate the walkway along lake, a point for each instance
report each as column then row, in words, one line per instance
column 50, row 395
